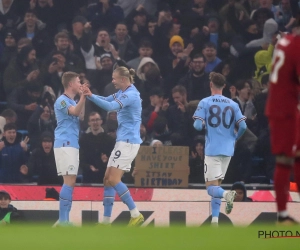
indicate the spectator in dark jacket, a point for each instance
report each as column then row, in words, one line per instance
column 10, row 49
column 95, row 149
column 125, row 46
column 52, row 72
column 40, row 121
column 9, row 16
column 8, row 213
column 196, row 81
column 73, row 62
column 21, row 70
column 42, row 162
column 13, row 156
column 177, row 115
column 241, row 192
column 196, row 161
column 104, row 12
column 34, row 29
column 24, row 100
column 137, row 24
column 47, row 13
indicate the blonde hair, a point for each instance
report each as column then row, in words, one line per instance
column 124, row 72
column 217, row 79
column 68, row 77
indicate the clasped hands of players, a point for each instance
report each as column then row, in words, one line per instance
column 85, row 91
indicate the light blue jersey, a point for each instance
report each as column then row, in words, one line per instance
column 129, row 106
column 220, row 116
column 67, row 131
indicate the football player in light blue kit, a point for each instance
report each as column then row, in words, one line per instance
column 66, row 147
column 220, row 116
column 129, row 105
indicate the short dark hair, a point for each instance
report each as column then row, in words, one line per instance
column 199, row 55
column 180, row 89
column 61, row 34
column 210, row 45
column 94, row 113
column 217, row 79
column 240, row 84
column 122, row 23
column 9, row 113
column 103, row 29
column 145, row 43
column 30, row 11
column 10, row 126
column 156, row 91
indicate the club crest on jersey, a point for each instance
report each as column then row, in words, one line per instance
column 63, row 104
column 71, row 168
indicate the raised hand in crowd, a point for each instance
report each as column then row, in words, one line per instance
column 165, row 104
column 2, row 145
column 24, row 169
column 50, row 3
column 104, row 158
column 139, row 7
column 31, row 106
column 114, row 52
column 93, row 168
column 105, row 4
column 205, row 30
column 32, row 4
column 181, row 107
column 52, row 67
column 87, row 27
column 33, row 75
column 24, row 143
column 199, row 11
column 188, row 49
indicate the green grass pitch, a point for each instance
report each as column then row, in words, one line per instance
column 117, row 237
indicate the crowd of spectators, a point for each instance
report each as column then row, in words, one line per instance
column 172, row 45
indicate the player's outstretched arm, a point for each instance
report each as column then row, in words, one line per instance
column 78, row 108
column 242, row 129
column 106, row 105
column 198, row 124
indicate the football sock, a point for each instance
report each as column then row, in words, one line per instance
column 65, row 202
column 297, row 173
column 125, row 196
column 281, row 185
column 215, row 207
column 283, row 214
column 108, row 202
column 215, row 191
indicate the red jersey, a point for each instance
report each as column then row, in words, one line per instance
column 284, row 78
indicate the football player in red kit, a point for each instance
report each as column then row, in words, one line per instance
column 282, row 111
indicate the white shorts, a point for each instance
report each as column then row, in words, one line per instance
column 67, row 160
column 123, row 155
column 215, row 167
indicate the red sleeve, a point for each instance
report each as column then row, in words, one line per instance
column 153, row 116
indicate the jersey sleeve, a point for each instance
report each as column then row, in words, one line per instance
column 124, row 99
column 238, row 114
column 200, row 111
column 64, row 105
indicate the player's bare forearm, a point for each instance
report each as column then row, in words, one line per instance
column 108, row 106
column 78, row 108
